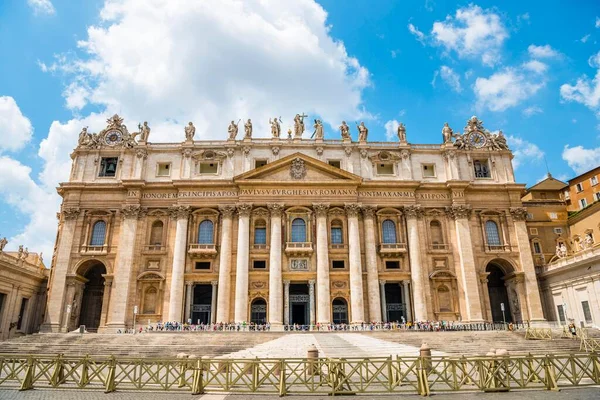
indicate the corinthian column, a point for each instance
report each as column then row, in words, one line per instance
column 241, row 268
column 373, row 294
column 181, row 214
column 356, row 282
column 323, row 295
column 124, row 264
column 412, row 214
column 468, row 277
column 56, row 294
column 532, row 293
column 224, row 288
column 275, row 283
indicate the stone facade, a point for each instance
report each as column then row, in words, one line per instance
column 290, row 231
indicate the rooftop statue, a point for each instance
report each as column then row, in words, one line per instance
column 363, row 132
column 190, row 131
column 299, row 125
column 3, row 243
column 248, row 129
column 144, row 132
column 345, row 130
column 447, row 133
column 275, row 127
column 401, row 133
column 318, row 133
column 233, row 130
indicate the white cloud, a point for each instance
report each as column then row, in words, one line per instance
column 581, row 159
column 473, row 32
column 597, row 22
column 523, row 151
column 15, row 128
column 523, row 17
column 585, row 38
column 585, row 91
column 417, row 33
column 451, row 78
column 76, row 96
column 535, row 66
column 41, row 7
column 394, row 53
column 542, row 51
column 594, row 60
column 504, row 89
column 532, row 110
column 391, row 130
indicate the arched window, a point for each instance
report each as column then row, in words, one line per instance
column 260, row 232
column 337, row 232
column 389, row 231
column 435, row 229
column 298, row 230
column 258, row 311
column 98, row 234
column 492, row 234
column 205, row 232
column 150, row 301
column 156, row 233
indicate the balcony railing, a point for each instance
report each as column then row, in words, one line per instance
column 297, row 248
column 497, row 247
column 337, row 246
column 154, row 248
column 392, row 248
column 261, row 246
column 93, row 250
column 202, row 250
column 439, row 246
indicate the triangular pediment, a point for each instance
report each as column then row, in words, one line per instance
column 298, row 168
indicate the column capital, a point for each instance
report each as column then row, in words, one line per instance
column 244, row 209
column 352, row 209
column 227, row 211
column 413, row 211
column 321, row 209
column 459, row 211
column 276, row 209
column 70, row 214
column 190, row 284
column 405, row 282
column 133, row 212
column 369, row 210
column 518, row 213
column 382, row 281
column 286, row 282
column 180, row 212
column 214, row 283
column 312, row 282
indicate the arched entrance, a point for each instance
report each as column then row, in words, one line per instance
column 93, row 294
column 394, row 307
column 258, row 311
column 201, row 308
column 340, row 311
column 498, row 293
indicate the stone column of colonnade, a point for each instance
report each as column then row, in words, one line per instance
column 181, row 215
column 323, row 287
column 241, row 268
column 534, row 302
column 356, row 281
column 412, row 214
column 373, row 293
column 468, row 277
column 275, row 282
column 124, row 264
column 59, row 275
column 406, row 297
column 224, row 288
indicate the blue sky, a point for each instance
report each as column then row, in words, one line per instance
column 531, row 69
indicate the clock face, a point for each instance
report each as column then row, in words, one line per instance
column 112, row 138
column 477, row 139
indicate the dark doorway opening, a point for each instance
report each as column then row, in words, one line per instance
column 201, row 304
column 395, row 308
column 498, row 294
column 93, row 294
column 299, row 304
column 340, row 311
column 258, row 311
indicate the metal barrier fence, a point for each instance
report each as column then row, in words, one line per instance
column 399, row 375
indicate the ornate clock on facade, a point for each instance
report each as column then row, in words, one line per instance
column 477, row 139
column 113, row 137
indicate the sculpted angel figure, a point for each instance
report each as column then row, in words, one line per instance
column 363, row 132
column 499, row 141
column 447, row 133
column 84, row 137
column 345, row 130
column 232, row 130
column 275, row 127
column 3, row 243
column 190, row 131
column 248, row 128
column 318, row 134
column 401, row 133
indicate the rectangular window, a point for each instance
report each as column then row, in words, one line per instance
column 209, row 168
column 428, row 170
column 259, row 264
column 533, row 231
column 567, row 195
column 203, row 265
column 579, row 187
column 259, row 163
column 385, row 169
column 260, row 235
column 553, row 215
column 597, row 195
column 594, row 180
column 108, row 166
column 537, row 249
column 335, row 163
column 22, row 311
column 587, row 314
column 336, row 235
column 338, row 264
column 392, row 265
column 582, row 203
column 481, row 169
column 561, row 314
column 558, row 231
column 163, row 169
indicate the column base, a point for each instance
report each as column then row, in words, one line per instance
column 50, row 328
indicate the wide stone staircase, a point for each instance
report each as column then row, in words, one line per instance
column 234, row 344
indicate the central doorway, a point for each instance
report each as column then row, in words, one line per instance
column 498, row 294
column 395, row 308
column 299, row 304
column 93, row 294
column 201, row 304
column 340, row 311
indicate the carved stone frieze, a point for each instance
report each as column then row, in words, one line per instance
column 187, row 153
column 352, row 209
column 405, row 154
column 339, row 284
column 230, row 151
column 459, row 211
column 348, row 150
column 180, row 212
column 321, row 209
column 384, row 156
column 275, row 150
column 319, row 150
column 518, row 213
column 141, row 153
column 298, row 169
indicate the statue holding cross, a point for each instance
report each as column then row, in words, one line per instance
column 299, row 125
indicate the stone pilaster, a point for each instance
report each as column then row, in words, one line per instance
column 311, row 298
column 323, row 286
column 63, row 257
column 356, row 281
column 407, row 303
column 189, row 294
column 413, row 213
column 383, row 300
column 241, row 268
column 468, row 278
column 181, row 215
column 224, row 289
column 213, row 302
column 275, row 283
column 286, row 302
column 534, row 302
column 373, row 292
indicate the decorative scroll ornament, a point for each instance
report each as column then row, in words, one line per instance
column 244, row 209
column 385, row 156
column 133, row 211
column 114, row 135
column 299, row 264
column 518, row 213
column 369, row 211
column 321, row 209
column 298, row 169
column 352, row 209
column 276, row 209
column 414, row 211
column 180, row 212
column 459, row 211
column 227, row 211
column 70, row 213
column 475, row 136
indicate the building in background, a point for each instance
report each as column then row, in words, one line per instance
column 23, row 287
column 583, row 190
